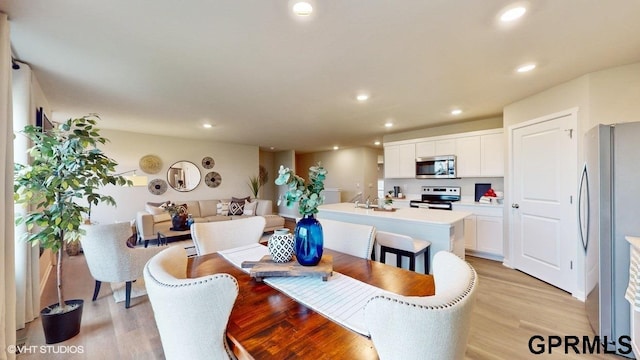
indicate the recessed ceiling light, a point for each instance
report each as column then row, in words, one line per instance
column 362, row 97
column 302, row 8
column 388, row 124
column 526, row 68
column 336, row 148
column 513, row 14
column 207, row 126
column 456, row 112
column 376, row 143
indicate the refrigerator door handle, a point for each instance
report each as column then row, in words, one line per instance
column 584, row 198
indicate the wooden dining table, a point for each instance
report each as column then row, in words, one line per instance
column 267, row 324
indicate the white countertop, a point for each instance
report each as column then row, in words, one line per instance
column 431, row 216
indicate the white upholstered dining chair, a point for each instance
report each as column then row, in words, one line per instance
column 352, row 239
column 110, row 260
column 191, row 314
column 426, row 327
column 214, row 236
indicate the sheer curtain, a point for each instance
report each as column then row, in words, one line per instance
column 7, row 249
column 26, row 256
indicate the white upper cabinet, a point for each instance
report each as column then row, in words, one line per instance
column 425, row 148
column 492, row 155
column 445, row 147
column 400, row 161
column 478, row 154
column 468, row 156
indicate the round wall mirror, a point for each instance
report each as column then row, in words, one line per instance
column 183, row 176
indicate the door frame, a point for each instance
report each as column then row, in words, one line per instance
column 578, row 264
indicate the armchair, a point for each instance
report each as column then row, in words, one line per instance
column 429, row 327
column 109, row 259
column 193, row 327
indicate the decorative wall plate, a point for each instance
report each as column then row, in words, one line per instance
column 213, row 179
column 208, row 162
column 157, row 186
column 151, row 164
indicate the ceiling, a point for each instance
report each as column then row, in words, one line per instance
column 262, row 76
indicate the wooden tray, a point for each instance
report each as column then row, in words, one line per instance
column 383, row 209
column 266, row 267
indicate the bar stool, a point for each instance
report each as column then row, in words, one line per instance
column 402, row 245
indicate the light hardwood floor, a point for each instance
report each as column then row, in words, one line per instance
column 511, row 307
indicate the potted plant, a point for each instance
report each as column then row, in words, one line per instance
column 66, row 169
column 309, row 238
column 256, row 182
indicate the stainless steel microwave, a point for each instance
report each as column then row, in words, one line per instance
column 436, row 167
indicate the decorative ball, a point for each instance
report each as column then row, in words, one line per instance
column 281, row 246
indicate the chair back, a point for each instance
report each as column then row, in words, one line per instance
column 214, row 236
column 428, row 327
column 107, row 255
column 393, row 240
column 191, row 314
column 352, row 239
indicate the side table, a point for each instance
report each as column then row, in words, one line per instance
column 162, row 240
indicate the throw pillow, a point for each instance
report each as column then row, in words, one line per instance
column 182, row 209
column 154, row 208
column 223, row 208
column 250, row 208
column 236, row 206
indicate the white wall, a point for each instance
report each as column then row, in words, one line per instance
column 351, row 170
column 235, row 163
column 603, row 97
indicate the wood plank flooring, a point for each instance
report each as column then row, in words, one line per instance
column 511, row 307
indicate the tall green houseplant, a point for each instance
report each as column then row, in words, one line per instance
column 66, row 170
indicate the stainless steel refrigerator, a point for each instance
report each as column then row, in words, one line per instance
column 609, row 209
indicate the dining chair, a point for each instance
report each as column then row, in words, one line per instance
column 403, row 245
column 426, row 327
column 191, row 313
column 214, row 236
column 110, row 259
column 352, row 239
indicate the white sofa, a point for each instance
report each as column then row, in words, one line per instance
column 149, row 225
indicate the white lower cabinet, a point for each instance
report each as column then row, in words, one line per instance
column 483, row 232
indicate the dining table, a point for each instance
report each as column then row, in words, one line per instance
column 266, row 323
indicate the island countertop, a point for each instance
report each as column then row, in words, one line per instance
column 431, row 216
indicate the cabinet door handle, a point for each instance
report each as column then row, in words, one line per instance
column 515, row 206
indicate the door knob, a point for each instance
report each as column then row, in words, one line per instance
column 515, row 206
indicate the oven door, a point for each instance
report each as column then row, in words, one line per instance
column 436, row 167
column 430, row 205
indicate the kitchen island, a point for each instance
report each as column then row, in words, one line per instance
column 444, row 229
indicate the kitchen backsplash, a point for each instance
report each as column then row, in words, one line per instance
column 412, row 187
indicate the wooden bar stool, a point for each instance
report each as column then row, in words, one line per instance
column 402, row 245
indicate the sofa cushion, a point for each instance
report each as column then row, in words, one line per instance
column 161, row 217
column 236, row 207
column 250, row 208
column 193, row 208
column 208, row 207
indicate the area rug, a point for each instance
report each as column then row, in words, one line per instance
column 137, row 289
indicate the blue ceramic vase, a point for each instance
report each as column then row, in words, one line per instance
column 308, row 241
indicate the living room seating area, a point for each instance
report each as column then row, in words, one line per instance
column 154, row 219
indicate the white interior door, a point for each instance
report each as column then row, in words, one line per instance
column 543, row 216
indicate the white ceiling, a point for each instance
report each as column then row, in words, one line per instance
column 265, row 78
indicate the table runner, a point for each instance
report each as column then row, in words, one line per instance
column 340, row 298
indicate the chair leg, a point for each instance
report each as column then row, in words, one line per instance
column 426, row 260
column 127, row 301
column 383, row 255
column 398, row 260
column 96, row 290
column 412, row 262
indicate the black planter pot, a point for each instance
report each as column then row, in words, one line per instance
column 61, row 326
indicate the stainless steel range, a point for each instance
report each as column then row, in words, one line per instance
column 437, row 197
